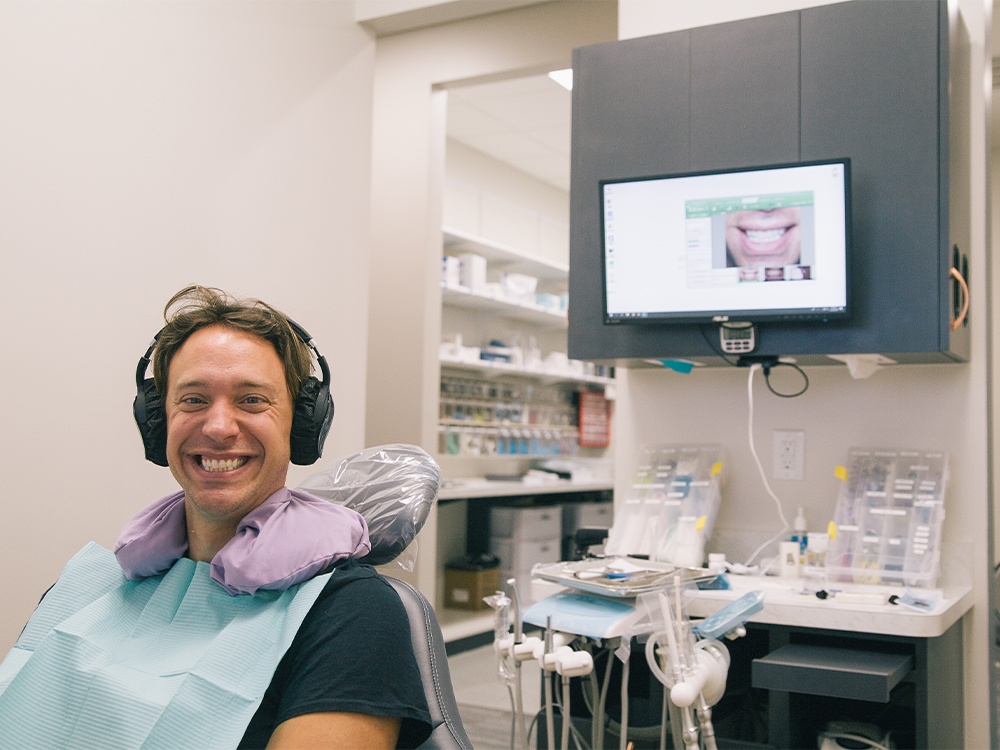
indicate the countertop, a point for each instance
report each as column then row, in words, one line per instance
column 786, row 604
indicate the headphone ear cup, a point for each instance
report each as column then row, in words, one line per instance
column 152, row 422
column 311, row 423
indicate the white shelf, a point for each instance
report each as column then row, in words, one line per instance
column 499, row 255
column 505, row 425
column 468, row 489
column 484, row 366
column 465, row 297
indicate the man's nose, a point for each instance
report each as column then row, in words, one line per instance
column 221, row 422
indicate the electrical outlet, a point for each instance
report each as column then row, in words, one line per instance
column 789, row 454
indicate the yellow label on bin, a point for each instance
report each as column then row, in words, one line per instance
column 701, row 523
column 841, row 473
column 831, row 529
column 716, row 468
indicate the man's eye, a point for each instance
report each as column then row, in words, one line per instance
column 254, row 401
column 192, row 401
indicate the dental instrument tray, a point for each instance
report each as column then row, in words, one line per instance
column 619, row 576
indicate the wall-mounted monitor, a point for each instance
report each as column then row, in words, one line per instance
column 766, row 243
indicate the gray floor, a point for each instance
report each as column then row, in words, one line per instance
column 484, row 701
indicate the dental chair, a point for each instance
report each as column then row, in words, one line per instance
column 394, row 488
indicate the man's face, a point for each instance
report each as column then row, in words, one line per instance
column 764, row 238
column 229, row 421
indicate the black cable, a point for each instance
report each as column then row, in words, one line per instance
column 766, row 368
column 767, row 379
column 711, row 346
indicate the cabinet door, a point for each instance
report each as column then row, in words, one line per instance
column 631, row 116
column 870, row 90
column 745, row 93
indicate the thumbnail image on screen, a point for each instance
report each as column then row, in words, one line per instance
column 750, row 239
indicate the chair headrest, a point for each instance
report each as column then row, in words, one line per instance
column 392, row 486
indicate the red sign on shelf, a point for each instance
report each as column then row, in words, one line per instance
column 594, row 420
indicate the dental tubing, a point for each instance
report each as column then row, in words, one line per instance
column 555, row 655
column 521, row 730
column 549, row 722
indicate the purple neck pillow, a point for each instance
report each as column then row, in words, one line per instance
column 287, row 539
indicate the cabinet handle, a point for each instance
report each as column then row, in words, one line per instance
column 965, row 299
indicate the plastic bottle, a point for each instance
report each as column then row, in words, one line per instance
column 799, row 533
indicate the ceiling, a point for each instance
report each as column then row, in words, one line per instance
column 523, row 122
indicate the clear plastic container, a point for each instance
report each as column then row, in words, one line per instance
column 889, row 517
column 672, row 505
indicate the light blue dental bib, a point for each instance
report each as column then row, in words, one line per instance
column 166, row 662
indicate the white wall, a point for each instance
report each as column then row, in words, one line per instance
column 146, row 146
column 927, row 407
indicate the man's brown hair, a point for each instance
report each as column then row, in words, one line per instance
column 197, row 307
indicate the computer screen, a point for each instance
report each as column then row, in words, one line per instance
column 760, row 244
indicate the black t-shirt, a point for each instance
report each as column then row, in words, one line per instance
column 352, row 653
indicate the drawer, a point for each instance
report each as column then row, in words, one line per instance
column 833, row 672
column 519, row 558
column 524, row 524
column 578, row 515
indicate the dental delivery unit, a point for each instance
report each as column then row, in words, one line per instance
column 612, row 601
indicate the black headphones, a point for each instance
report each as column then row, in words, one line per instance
column 310, row 425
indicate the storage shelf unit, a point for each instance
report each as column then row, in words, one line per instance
column 509, row 258
column 465, row 297
column 479, row 318
column 543, row 375
column 469, row 489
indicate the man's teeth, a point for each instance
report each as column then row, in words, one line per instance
column 212, row 464
column 765, row 235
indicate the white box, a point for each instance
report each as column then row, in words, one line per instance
column 579, row 515
column 517, row 560
column 523, row 557
column 473, row 271
column 451, row 271
column 526, row 524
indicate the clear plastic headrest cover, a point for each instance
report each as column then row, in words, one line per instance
column 392, row 486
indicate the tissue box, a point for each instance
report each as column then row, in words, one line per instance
column 519, row 288
column 465, row 585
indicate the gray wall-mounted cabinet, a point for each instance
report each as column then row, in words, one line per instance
column 869, row 81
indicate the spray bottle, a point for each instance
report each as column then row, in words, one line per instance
column 799, row 534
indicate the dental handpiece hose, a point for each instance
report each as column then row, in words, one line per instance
column 566, row 719
column 520, row 729
column 550, row 729
column 705, row 719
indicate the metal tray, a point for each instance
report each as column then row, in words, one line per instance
column 599, row 576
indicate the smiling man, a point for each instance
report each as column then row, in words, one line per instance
column 234, row 612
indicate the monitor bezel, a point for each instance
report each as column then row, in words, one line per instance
column 701, row 317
